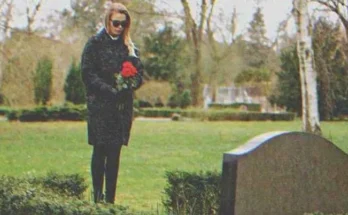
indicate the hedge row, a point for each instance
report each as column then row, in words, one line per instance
column 4, row 110
column 248, row 106
column 250, row 116
column 185, row 193
column 192, row 193
column 217, row 115
column 54, row 194
column 79, row 112
column 54, row 113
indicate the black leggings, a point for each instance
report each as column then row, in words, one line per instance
column 105, row 164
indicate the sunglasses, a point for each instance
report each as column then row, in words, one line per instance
column 117, row 23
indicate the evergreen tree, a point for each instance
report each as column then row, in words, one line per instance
column 43, row 81
column 163, row 57
column 258, row 48
column 257, row 29
column 288, row 92
column 331, row 67
column 74, row 88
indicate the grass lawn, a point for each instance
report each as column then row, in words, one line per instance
column 155, row 147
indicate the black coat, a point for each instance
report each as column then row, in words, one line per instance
column 110, row 113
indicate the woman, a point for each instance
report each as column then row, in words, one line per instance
column 110, row 108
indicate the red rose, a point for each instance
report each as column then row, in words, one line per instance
column 128, row 70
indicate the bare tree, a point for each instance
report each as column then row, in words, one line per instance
column 31, row 12
column 339, row 7
column 6, row 7
column 308, row 75
column 194, row 34
column 217, row 54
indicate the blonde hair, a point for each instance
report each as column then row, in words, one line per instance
column 113, row 7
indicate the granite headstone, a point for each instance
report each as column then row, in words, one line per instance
column 287, row 173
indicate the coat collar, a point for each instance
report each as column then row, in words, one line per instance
column 103, row 35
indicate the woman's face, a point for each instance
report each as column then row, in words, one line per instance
column 117, row 23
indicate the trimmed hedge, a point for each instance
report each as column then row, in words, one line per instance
column 42, row 196
column 192, row 193
column 249, row 106
column 250, row 116
column 158, row 112
column 79, row 112
column 53, row 113
column 73, row 185
column 4, row 110
column 218, row 115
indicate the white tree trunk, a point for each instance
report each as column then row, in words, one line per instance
column 308, row 75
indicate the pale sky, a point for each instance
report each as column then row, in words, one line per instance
column 274, row 11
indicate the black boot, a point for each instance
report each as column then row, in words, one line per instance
column 111, row 172
column 98, row 196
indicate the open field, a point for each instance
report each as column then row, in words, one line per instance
column 155, row 147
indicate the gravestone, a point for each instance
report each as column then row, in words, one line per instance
column 285, row 173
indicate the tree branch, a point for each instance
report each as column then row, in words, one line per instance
column 31, row 18
column 202, row 19
column 189, row 22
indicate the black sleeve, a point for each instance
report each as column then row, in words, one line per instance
column 89, row 70
column 140, row 68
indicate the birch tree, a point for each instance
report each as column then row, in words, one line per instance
column 310, row 112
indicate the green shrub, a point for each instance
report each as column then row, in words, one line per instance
column 217, row 115
column 79, row 112
column 195, row 113
column 69, row 112
column 73, row 185
column 249, row 106
column 4, row 110
column 185, row 99
column 74, row 87
column 158, row 112
column 25, row 196
column 43, row 81
column 182, row 100
column 192, row 193
column 143, row 104
column 249, row 116
column 34, row 115
column 173, row 101
column 158, row 102
column 13, row 115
